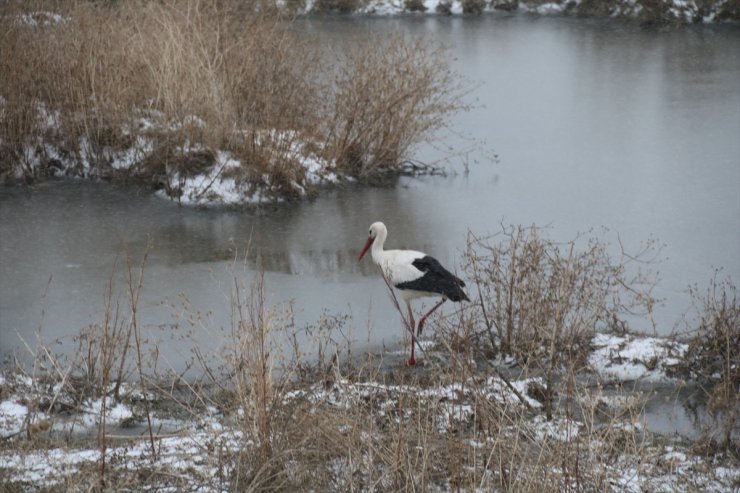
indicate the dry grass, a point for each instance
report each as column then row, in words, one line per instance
column 173, row 82
column 542, row 301
column 713, row 359
column 104, row 67
column 380, row 112
column 455, row 423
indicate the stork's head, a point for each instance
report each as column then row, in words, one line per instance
column 376, row 229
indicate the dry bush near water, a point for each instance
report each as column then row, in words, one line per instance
column 389, row 95
column 457, row 422
column 713, row 359
column 154, row 90
column 542, row 301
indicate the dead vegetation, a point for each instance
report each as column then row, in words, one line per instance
column 379, row 111
column 713, row 359
column 542, row 301
column 257, row 418
column 142, row 89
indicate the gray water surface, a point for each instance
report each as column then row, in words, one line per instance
column 596, row 124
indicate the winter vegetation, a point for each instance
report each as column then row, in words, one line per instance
column 644, row 11
column 207, row 101
column 223, row 103
column 540, row 383
column 554, row 405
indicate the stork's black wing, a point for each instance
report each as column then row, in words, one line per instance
column 436, row 279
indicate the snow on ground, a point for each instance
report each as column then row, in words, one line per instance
column 211, row 187
column 185, row 455
column 12, row 417
column 192, row 449
column 630, row 358
column 41, row 18
column 217, row 185
column 681, row 471
column 685, row 11
column 223, row 182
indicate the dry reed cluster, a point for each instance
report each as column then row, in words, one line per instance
column 169, row 84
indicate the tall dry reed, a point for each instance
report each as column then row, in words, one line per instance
column 173, row 82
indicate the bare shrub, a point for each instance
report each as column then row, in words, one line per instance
column 166, row 79
column 344, row 6
column 713, row 358
column 505, row 5
column 256, row 375
column 543, row 301
column 473, row 6
column 444, row 7
column 414, row 6
column 389, row 95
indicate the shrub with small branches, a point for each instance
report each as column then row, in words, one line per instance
column 158, row 84
column 414, row 6
column 543, row 301
column 713, row 358
column 380, row 110
column 473, row 6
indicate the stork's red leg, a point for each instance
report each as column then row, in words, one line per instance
column 423, row 319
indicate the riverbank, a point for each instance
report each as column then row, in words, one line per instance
column 516, row 391
column 208, row 123
column 452, row 422
column 209, row 104
column 652, row 12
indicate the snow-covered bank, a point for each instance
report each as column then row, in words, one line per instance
column 475, row 415
column 214, row 107
column 630, row 358
column 189, row 174
column 647, row 11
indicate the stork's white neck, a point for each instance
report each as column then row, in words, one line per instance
column 377, row 251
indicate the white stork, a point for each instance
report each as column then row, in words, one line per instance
column 414, row 274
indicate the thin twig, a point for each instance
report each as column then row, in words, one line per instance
column 397, row 305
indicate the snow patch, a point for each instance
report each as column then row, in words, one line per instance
column 630, row 358
column 42, row 18
column 12, row 417
column 550, row 8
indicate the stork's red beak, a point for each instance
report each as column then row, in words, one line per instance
column 365, row 248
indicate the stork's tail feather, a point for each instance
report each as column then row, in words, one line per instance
column 462, row 296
